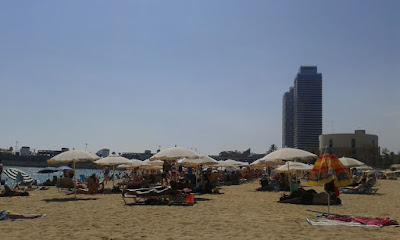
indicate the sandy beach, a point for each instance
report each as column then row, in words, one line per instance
column 239, row 213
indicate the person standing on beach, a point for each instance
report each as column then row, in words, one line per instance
column 106, row 175
column 1, row 169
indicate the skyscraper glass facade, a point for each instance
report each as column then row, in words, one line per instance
column 288, row 119
column 307, row 110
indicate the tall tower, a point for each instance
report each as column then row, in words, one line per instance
column 288, row 119
column 307, row 106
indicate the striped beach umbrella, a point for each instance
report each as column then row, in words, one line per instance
column 329, row 168
column 13, row 173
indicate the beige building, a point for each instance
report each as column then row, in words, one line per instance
column 358, row 145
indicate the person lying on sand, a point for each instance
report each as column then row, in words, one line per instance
column 309, row 197
column 9, row 215
column 8, row 192
column 355, row 189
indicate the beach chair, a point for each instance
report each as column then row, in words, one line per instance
column 157, row 195
column 369, row 189
column 363, row 190
column 142, row 195
column 65, row 184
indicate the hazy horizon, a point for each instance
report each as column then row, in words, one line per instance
column 135, row 75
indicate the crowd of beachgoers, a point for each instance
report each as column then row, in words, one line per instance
column 210, row 190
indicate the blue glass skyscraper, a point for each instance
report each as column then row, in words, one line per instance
column 288, row 119
column 307, row 110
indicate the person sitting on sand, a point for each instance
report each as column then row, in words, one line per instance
column 9, row 215
column 8, row 192
column 93, row 186
column 48, row 182
column 265, row 186
column 17, row 187
column 54, row 181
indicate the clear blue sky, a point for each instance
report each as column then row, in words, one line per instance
column 132, row 75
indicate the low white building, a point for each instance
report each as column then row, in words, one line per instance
column 355, row 140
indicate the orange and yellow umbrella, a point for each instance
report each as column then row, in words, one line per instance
column 327, row 168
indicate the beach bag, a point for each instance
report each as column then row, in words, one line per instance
column 189, row 199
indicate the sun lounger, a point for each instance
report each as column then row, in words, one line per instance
column 156, row 195
column 65, row 184
column 359, row 191
column 366, row 189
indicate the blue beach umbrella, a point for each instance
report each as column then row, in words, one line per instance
column 62, row 168
column 48, row 170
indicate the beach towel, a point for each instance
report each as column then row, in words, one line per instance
column 328, row 222
column 366, row 221
column 337, row 220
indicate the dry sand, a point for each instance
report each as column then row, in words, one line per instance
column 240, row 213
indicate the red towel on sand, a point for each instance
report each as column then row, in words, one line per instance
column 367, row 221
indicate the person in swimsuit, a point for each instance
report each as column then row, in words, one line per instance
column 9, row 215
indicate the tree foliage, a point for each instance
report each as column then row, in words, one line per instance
column 272, row 148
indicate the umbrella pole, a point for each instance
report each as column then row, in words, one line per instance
column 329, row 202
column 74, row 180
column 289, row 178
column 113, row 175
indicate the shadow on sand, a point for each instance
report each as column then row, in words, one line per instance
column 68, row 199
column 200, row 199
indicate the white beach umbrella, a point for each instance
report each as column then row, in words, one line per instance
column 152, row 165
column 287, row 154
column 112, row 160
column 293, row 167
column 73, row 156
column 257, row 164
column 244, row 164
column 267, row 162
column 351, row 162
column 395, row 166
column 238, row 163
column 231, row 163
column 174, row 154
column 364, row 167
column 133, row 163
column 154, row 162
column 204, row 160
